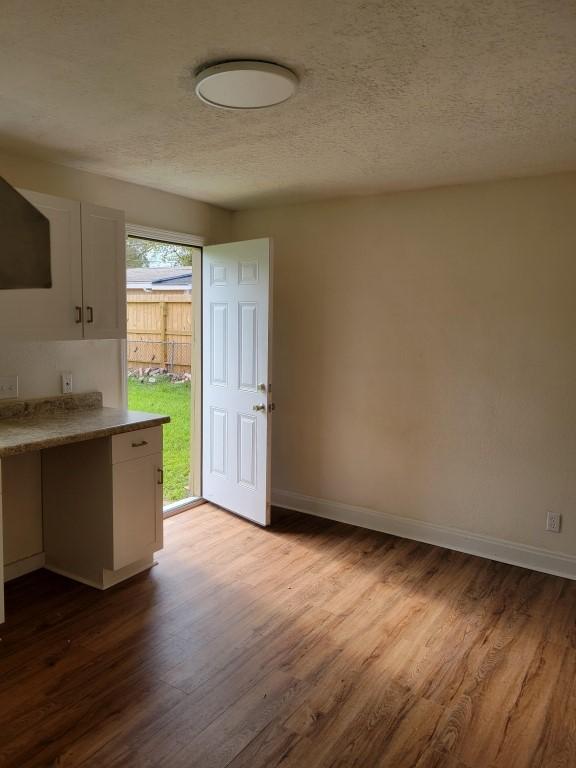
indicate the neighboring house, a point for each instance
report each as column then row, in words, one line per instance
column 140, row 280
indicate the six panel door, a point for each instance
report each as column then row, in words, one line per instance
column 236, row 377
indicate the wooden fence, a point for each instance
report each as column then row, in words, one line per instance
column 159, row 331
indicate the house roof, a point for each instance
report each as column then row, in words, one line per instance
column 159, row 278
column 153, row 275
column 175, row 280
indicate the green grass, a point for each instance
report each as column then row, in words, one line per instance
column 173, row 400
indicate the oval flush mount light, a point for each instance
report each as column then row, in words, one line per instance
column 245, row 84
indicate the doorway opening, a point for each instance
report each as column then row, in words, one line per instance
column 163, row 284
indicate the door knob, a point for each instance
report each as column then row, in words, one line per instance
column 258, row 407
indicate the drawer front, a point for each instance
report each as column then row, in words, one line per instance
column 133, row 445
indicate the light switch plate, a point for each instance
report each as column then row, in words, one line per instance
column 8, row 387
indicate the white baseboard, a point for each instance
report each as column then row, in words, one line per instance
column 22, row 567
column 501, row 550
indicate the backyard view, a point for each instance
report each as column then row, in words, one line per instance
column 172, row 399
column 159, row 315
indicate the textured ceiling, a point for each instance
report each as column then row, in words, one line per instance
column 394, row 94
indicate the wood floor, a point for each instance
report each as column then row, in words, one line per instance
column 311, row 644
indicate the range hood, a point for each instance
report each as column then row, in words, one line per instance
column 25, row 242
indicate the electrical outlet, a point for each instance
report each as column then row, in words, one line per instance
column 8, row 387
column 66, row 383
column 554, row 522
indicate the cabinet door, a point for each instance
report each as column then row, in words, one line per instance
column 103, row 272
column 50, row 313
column 137, row 509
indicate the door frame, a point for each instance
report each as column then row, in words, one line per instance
column 182, row 238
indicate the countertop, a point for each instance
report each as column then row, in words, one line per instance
column 47, row 430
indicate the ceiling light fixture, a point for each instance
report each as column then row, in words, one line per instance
column 245, row 84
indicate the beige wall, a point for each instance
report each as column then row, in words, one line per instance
column 425, row 354
column 94, row 364
column 143, row 205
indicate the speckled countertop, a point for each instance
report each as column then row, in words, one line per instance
column 48, row 422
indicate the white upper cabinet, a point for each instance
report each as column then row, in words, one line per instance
column 103, row 272
column 87, row 299
column 56, row 312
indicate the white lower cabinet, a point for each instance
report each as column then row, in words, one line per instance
column 102, row 506
column 136, row 509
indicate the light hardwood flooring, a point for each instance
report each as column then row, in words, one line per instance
column 311, row 644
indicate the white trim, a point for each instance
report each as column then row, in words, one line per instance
column 164, row 235
column 196, row 382
column 503, row 551
column 123, row 350
column 184, row 288
column 24, row 566
column 175, row 507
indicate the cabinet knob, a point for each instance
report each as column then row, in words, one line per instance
column 160, row 476
column 78, row 314
column 89, row 315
